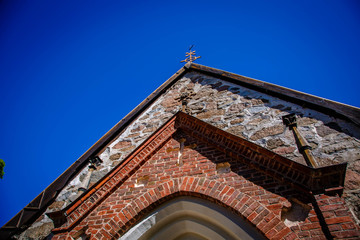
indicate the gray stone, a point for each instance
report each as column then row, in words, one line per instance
column 324, row 130
column 274, row 143
column 336, row 147
column 236, row 121
column 97, row 175
column 204, row 94
column 284, row 150
column 115, row 156
column 122, row 144
column 352, row 200
column 352, row 180
column 268, row 131
column 257, row 109
column 169, row 102
column 224, row 104
column 305, row 121
column 56, row 205
column 238, row 107
column 237, row 130
column 149, row 130
column 197, row 107
column 255, row 122
column 39, row 232
column 256, row 102
column 209, row 114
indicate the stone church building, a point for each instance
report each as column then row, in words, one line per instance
column 210, row 155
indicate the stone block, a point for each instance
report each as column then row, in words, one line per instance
column 284, row 150
column 210, row 114
column 56, row 205
column 237, row 121
column 115, row 156
column 352, row 180
column 274, row 143
column 236, row 130
column 268, row 131
column 39, row 232
column 122, row 144
column 324, row 130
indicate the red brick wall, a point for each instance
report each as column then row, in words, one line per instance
column 247, row 192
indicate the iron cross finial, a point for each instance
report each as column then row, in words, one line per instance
column 190, row 55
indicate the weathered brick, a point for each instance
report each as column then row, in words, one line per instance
column 270, row 234
column 341, row 212
column 338, row 220
column 332, row 207
column 347, row 226
column 270, row 225
column 252, row 216
column 291, row 236
column 309, row 226
column 303, row 234
column 346, row 234
column 281, row 234
column 105, row 234
column 335, row 228
column 260, row 217
column 127, row 214
column 252, row 194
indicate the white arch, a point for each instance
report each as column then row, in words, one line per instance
column 192, row 218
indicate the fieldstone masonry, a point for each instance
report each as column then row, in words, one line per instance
column 254, row 116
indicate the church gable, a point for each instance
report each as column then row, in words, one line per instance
column 188, row 157
column 253, row 115
column 244, row 107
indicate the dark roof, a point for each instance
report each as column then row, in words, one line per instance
column 37, row 206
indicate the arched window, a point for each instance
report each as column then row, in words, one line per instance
column 192, row 218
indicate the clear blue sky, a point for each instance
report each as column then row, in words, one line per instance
column 70, row 70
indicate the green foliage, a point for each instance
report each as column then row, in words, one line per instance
column 2, row 165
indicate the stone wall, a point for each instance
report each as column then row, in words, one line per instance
column 254, row 116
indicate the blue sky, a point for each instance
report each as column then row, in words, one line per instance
column 70, row 70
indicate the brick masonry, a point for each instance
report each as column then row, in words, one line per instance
column 242, row 112
column 116, row 203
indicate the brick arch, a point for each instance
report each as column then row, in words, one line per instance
column 242, row 204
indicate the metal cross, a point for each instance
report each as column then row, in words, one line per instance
column 189, row 55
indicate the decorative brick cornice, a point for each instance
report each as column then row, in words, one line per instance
column 303, row 178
